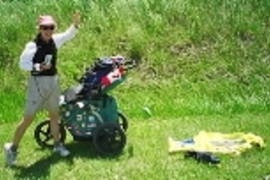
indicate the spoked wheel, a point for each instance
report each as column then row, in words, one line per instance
column 109, row 139
column 43, row 134
column 123, row 121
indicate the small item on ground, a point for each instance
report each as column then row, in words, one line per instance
column 203, row 157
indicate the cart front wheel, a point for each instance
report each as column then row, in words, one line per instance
column 123, row 121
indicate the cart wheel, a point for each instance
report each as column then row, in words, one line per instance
column 43, row 134
column 123, row 121
column 109, row 139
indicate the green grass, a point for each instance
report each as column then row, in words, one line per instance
column 150, row 158
column 204, row 66
column 198, row 57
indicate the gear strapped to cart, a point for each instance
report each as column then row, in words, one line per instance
column 89, row 113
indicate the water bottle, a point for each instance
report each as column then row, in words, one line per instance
column 48, row 59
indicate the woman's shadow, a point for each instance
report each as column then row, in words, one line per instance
column 41, row 168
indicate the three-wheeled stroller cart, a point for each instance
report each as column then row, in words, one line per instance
column 89, row 113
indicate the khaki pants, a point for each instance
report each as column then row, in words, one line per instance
column 43, row 93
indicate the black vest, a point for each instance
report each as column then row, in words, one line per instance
column 45, row 49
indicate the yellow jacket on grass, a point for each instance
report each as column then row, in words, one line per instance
column 216, row 142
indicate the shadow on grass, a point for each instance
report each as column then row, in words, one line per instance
column 41, row 168
column 38, row 170
column 86, row 150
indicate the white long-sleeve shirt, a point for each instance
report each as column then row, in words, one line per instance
column 26, row 58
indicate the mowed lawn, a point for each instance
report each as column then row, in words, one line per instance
column 146, row 153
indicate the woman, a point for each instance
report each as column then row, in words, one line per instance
column 40, row 58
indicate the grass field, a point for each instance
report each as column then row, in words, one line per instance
column 204, row 66
column 146, row 153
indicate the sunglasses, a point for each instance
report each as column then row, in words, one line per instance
column 47, row 28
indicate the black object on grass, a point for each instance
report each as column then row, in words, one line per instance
column 203, row 157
